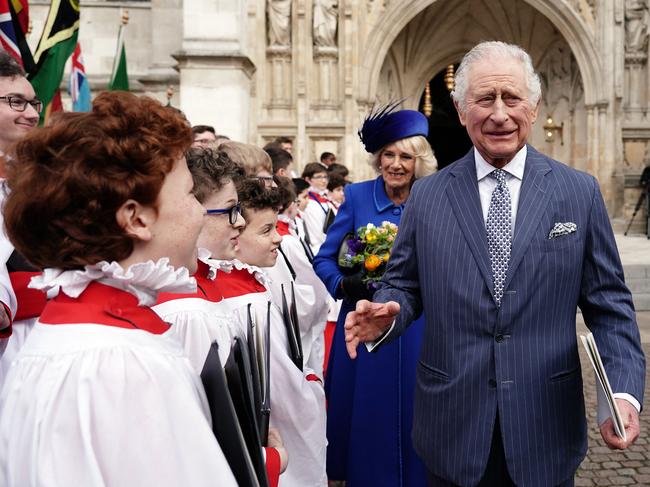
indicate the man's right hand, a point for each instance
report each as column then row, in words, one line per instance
column 367, row 323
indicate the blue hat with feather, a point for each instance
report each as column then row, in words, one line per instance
column 384, row 126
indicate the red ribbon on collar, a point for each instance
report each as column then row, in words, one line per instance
column 103, row 305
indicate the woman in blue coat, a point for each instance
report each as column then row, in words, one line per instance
column 374, row 392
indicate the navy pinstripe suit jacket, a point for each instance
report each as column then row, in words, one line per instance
column 520, row 359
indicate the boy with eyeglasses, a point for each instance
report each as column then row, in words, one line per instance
column 19, row 113
column 296, row 392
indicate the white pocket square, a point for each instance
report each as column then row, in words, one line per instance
column 560, row 229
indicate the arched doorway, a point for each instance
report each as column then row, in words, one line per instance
column 441, row 33
column 448, row 138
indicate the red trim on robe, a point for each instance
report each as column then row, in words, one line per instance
column 31, row 302
column 273, row 466
column 205, row 288
column 312, row 378
column 319, row 198
column 103, row 305
column 237, row 283
column 282, row 228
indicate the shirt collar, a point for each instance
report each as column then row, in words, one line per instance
column 514, row 168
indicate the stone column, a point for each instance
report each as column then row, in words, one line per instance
column 215, row 69
column 166, row 38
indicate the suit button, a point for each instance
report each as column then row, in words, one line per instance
column 492, row 384
column 498, row 338
column 397, row 211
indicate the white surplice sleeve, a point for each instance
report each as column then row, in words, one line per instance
column 7, row 295
column 196, row 323
column 314, row 219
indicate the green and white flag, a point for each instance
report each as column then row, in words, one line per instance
column 57, row 43
column 119, row 76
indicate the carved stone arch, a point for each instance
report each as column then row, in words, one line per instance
column 448, row 56
column 567, row 21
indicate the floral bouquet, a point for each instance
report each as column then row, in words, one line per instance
column 368, row 249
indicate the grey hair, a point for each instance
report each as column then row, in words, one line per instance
column 486, row 50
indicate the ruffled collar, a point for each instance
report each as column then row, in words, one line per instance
column 257, row 272
column 214, row 265
column 286, row 219
column 144, row 280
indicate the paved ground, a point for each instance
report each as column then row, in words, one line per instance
column 604, row 467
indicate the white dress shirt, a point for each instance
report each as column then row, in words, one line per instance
column 486, row 184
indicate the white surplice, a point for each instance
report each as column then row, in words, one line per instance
column 88, row 404
column 297, row 397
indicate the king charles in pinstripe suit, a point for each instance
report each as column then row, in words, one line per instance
column 499, row 390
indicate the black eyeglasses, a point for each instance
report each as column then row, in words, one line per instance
column 233, row 212
column 19, row 104
column 265, row 180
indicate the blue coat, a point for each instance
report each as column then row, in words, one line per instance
column 520, row 360
column 370, row 399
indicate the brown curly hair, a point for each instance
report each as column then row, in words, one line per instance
column 68, row 179
column 253, row 195
column 210, row 170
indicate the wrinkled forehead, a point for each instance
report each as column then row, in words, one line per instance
column 16, row 85
column 497, row 66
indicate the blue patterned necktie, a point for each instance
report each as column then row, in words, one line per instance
column 499, row 232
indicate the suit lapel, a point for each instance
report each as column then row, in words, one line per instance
column 533, row 199
column 463, row 196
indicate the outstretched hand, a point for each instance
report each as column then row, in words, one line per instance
column 367, row 323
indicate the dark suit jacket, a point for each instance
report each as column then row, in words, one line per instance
column 520, row 359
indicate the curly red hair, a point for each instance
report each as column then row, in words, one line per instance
column 67, row 180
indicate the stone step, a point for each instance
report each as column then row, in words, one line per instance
column 637, row 278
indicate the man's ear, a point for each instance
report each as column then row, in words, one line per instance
column 536, row 111
column 461, row 114
column 136, row 220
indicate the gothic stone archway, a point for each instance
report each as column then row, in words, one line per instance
column 412, row 42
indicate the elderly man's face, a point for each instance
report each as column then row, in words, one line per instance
column 498, row 115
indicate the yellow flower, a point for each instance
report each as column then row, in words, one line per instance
column 385, row 257
column 370, row 237
column 372, row 262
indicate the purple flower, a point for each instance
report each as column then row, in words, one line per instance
column 372, row 285
column 355, row 246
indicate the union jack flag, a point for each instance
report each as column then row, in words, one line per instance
column 79, row 89
column 8, row 39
